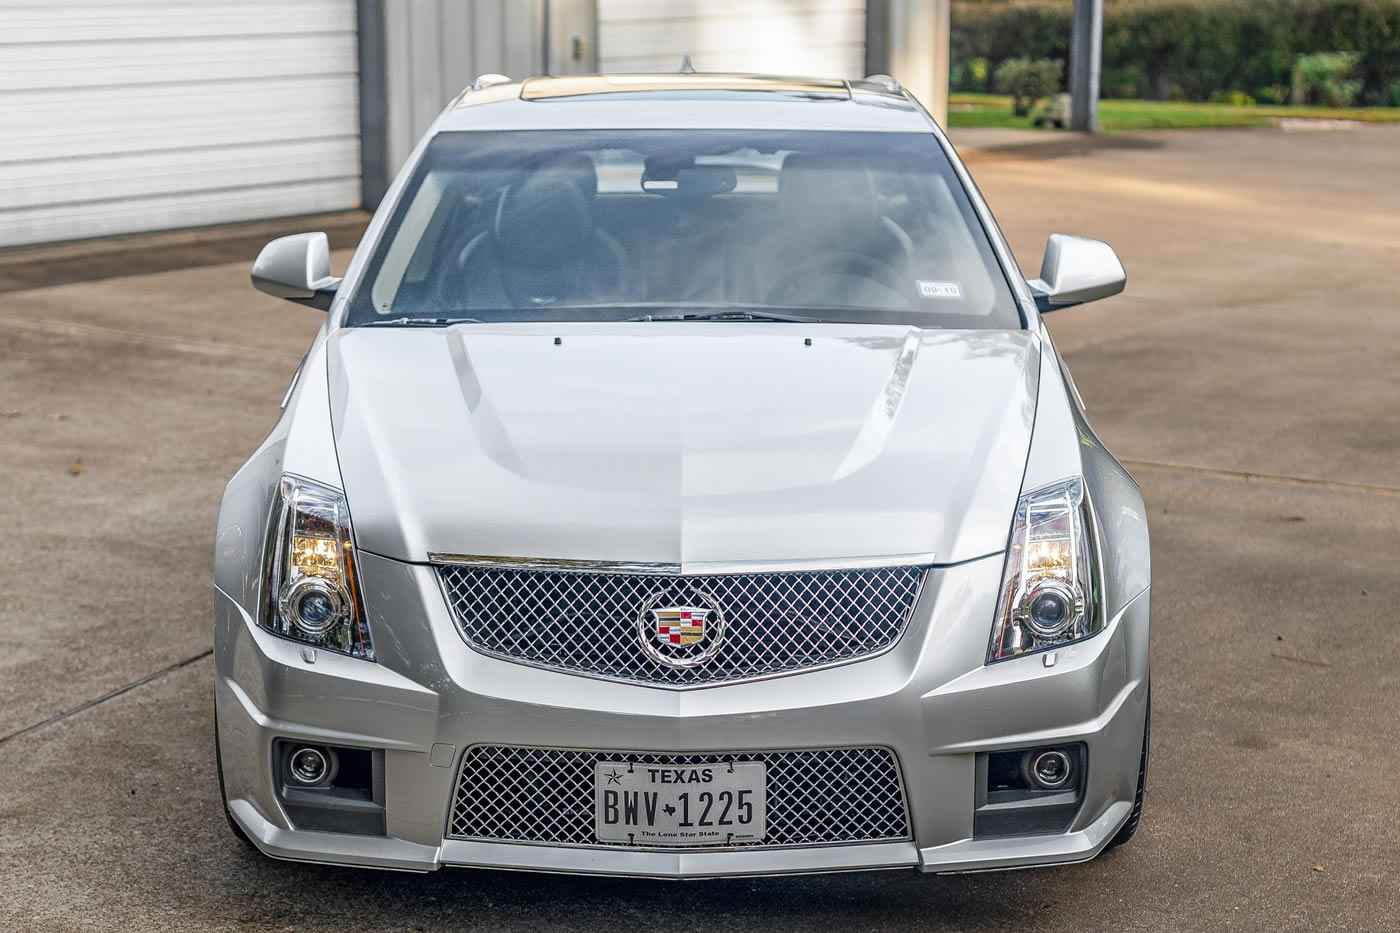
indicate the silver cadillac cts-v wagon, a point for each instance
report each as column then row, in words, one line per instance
column 683, row 484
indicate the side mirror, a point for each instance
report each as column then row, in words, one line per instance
column 297, row 268
column 1076, row 270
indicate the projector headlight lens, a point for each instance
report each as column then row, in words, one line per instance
column 313, row 605
column 1050, row 592
column 312, row 589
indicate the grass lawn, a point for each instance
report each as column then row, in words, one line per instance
column 995, row 110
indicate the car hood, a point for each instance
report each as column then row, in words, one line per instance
column 696, row 444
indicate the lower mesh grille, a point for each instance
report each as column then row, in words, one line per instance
column 545, row 795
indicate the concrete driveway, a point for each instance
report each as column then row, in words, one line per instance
column 1250, row 377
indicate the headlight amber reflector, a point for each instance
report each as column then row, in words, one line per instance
column 312, row 591
column 1050, row 590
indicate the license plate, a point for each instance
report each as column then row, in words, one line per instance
column 680, row 805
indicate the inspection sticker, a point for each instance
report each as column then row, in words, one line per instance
column 940, row 289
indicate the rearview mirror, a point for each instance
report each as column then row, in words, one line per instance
column 1076, row 270
column 297, row 268
column 697, row 181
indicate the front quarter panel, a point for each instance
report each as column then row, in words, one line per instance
column 1064, row 445
column 1122, row 521
column 299, row 443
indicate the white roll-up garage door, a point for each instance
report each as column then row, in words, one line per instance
column 819, row 38
column 118, row 117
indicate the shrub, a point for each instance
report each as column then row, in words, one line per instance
column 978, row 71
column 1392, row 94
column 1325, row 78
column 957, row 78
column 1153, row 47
column 1233, row 98
column 969, row 76
column 1028, row 80
column 1124, row 81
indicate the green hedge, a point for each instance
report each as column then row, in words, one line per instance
column 1188, row 49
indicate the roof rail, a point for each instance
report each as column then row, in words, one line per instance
column 885, row 81
column 490, row 79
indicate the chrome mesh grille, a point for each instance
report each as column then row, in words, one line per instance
column 773, row 622
column 545, row 795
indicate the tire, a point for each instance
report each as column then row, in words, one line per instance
column 1126, row 832
column 223, row 794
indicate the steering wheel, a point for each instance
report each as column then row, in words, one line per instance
column 607, row 256
column 823, row 265
column 605, row 264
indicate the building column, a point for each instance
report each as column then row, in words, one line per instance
column 570, row 37
column 908, row 40
column 417, row 55
column 375, row 172
column 1085, row 61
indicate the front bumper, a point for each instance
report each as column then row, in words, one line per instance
column 931, row 700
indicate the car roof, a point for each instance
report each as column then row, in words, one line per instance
column 701, row 101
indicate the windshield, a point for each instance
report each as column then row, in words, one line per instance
column 573, row 225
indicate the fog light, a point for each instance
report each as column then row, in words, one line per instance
column 1030, row 791
column 309, row 766
column 1049, row 770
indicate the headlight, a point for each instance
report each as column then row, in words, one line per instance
column 312, row 589
column 1050, row 589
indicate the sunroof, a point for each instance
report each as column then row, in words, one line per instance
column 703, row 86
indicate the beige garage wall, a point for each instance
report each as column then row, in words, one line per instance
column 120, row 117
column 801, row 37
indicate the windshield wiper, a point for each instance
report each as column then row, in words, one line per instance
column 730, row 316
column 420, row 322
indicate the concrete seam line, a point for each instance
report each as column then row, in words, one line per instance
column 74, row 329
column 1277, row 478
column 59, row 717
column 190, row 236
column 1156, row 317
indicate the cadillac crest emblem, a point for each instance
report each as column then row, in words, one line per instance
column 680, row 625
column 680, row 629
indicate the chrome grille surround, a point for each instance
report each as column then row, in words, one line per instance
column 544, row 796
column 586, row 622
